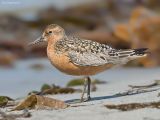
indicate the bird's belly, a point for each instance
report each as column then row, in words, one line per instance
column 62, row 63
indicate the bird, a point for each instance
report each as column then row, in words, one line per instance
column 75, row 56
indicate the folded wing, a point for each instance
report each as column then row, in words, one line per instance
column 87, row 59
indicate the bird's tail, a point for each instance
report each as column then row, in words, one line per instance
column 133, row 53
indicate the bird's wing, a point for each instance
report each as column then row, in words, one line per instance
column 87, row 59
column 87, row 52
column 101, row 58
column 90, row 53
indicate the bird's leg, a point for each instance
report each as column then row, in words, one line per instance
column 87, row 83
column 89, row 88
column 84, row 89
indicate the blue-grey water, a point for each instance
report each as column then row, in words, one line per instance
column 21, row 79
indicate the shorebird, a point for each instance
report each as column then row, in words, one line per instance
column 81, row 57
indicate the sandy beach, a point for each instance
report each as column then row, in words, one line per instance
column 96, row 110
column 106, row 94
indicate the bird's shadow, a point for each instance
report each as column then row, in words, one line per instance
column 73, row 101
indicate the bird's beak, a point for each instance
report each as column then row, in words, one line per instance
column 38, row 40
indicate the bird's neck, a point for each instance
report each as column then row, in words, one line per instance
column 53, row 43
column 54, row 39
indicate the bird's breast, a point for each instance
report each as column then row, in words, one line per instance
column 62, row 62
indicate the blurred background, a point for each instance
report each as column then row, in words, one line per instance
column 118, row 23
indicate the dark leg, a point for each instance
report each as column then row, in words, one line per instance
column 87, row 83
column 89, row 88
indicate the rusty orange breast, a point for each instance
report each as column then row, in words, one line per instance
column 62, row 63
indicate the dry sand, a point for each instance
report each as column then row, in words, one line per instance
column 95, row 109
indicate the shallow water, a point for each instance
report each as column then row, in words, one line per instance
column 18, row 81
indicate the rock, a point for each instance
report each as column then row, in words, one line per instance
column 13, row 28
column 6, row 59
column 13, row 47
column 142, row 30
column 121, row 31
column 146, row 34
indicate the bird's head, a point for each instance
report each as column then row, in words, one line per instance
column 52, row 32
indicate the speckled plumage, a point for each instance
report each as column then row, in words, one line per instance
column 81, row 57
column 83, row 52
column 90, row 53
column 69, row 43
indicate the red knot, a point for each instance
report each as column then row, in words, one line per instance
column 81, row 57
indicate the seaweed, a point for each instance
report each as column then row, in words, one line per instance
column 40, row 102
column 4, row 100
column 134, row 106
column 53, row 89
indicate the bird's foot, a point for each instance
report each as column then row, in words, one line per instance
column 86, row 100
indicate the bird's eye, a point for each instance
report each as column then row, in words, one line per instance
column 50, row 32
